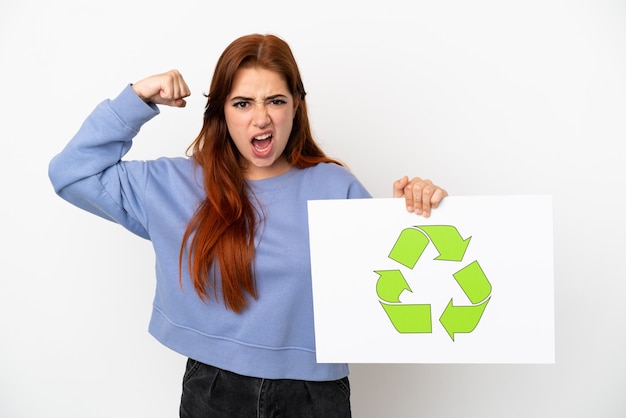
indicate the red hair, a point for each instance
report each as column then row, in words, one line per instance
column 220, row 235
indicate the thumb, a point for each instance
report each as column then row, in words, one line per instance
column 399, row 185
column 177, row 102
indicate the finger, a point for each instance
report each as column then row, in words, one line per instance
column 426, row 195
column 438, row 197
column 169, row 88
column 417, row 187
column 409, row 195
column 184, row 88
column 181, row 89
column 178, row 89
column 173, row 88
column 174, row 102
column 399, row 185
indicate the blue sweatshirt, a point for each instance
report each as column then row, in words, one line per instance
column 274, row 337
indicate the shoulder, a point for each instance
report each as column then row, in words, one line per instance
column 334, row 181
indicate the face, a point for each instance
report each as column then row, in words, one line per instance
column 259, row 114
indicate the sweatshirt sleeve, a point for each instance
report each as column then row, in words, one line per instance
column 89, row 172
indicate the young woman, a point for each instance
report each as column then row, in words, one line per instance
column 229, row 229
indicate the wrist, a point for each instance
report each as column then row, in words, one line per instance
column 139, row 94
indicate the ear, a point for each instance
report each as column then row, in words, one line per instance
column 296, row 103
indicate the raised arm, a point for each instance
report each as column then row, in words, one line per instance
column 89, row 172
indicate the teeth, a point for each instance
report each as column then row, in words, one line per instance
column 262, row 137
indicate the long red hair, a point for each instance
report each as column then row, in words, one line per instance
column 220, row 235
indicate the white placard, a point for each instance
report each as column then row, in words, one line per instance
column 473, row 283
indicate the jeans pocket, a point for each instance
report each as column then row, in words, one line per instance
column 344, row 386
column 190, row 369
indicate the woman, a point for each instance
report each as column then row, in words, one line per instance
column 229, row 229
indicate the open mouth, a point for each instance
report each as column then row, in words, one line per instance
column 262, row 143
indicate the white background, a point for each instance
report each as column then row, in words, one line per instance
column 484, row 97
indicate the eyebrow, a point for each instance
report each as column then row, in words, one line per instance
column 250, row 99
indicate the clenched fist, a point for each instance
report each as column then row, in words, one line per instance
column 168, row 89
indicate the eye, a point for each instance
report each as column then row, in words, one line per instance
column 278, row 102
column 240, row 105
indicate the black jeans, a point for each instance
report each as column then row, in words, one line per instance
column 209, row 392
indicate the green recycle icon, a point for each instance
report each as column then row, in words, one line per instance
column 416, row 318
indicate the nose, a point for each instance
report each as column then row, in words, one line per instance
column 261, row 116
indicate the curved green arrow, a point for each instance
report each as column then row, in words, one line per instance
column 406, row 318
column 474, row 283
column 409, row 318
column 461, row 319
column 448, row 241
column 409, row 247
column 390, row 285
